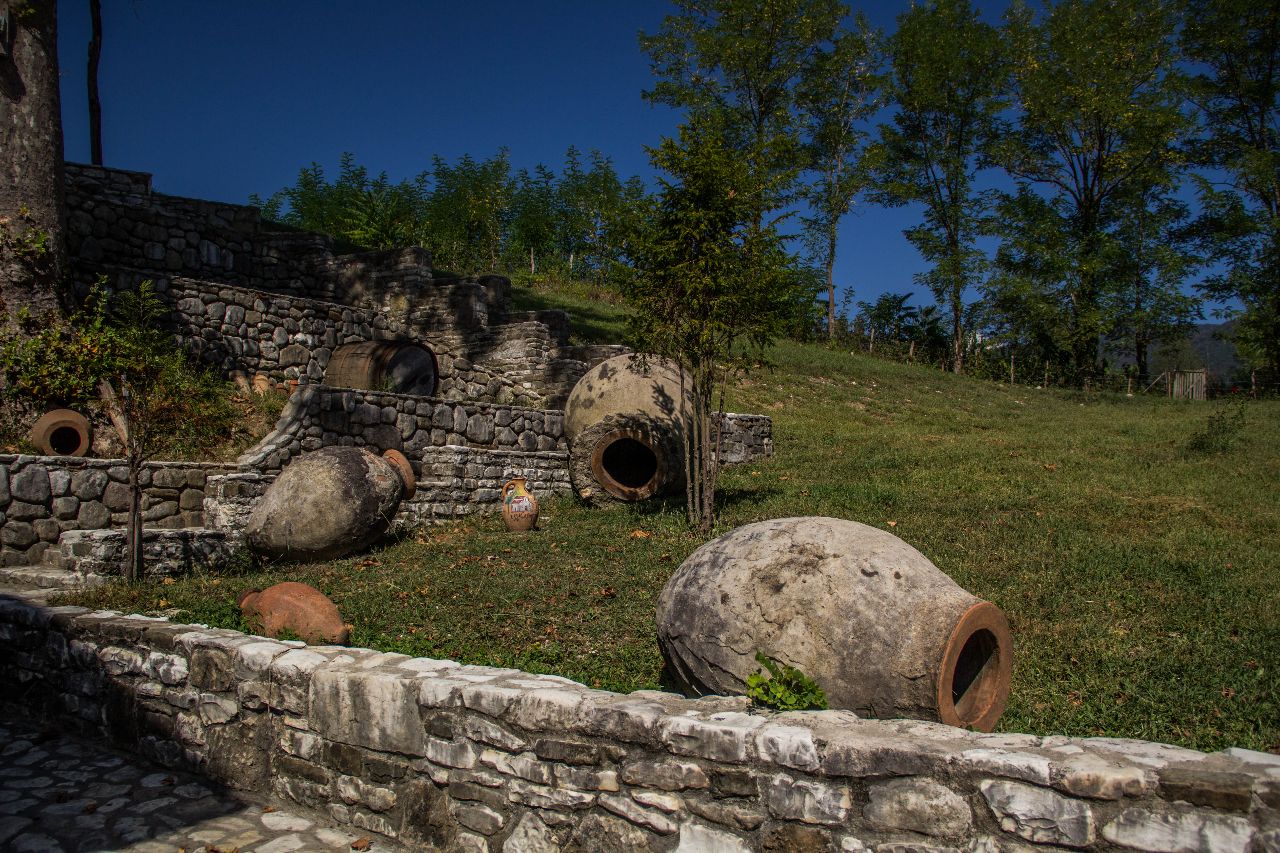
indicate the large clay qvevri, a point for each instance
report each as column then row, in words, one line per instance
column 625, row 422
column 868, row 617
column 325, row 504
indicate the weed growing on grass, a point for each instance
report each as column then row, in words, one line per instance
column 1223, row 428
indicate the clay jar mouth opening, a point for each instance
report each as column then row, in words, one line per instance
column 977, row 661
column 626, row 465
column 66, row 441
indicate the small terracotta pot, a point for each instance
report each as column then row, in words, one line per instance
column 519, row 506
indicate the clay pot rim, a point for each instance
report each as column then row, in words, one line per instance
column 991, row 683
column 42, row 431
column 404, row 468
column 612, row 486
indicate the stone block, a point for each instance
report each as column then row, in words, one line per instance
column 368, row 709
column 918, row 804
column 807, row 800
column 667, row 774
column 1204, row 787
column 1038, row 814
column 739, row 814
column 18, row 534
column 31, row 485
column 66, row 508
column 116, row 497
column 1180, row 831
column 47, row 529
column 93, row 516
column 26, row 511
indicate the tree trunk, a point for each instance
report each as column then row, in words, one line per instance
column 33, row 259
column 95, row 103
column 831, row 284
column 133, row 528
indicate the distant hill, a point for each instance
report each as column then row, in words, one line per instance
column 1207, row 345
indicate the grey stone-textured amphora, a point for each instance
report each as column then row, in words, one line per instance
column 868, row 617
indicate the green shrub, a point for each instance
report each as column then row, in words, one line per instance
column 1222, row 429
column 117, row 338
column 787, row 688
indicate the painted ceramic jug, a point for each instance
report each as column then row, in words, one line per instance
column 519, row 506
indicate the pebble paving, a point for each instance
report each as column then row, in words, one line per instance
column 63, row 794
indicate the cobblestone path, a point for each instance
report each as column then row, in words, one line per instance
column 62, row 794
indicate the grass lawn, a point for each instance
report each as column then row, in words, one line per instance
column 1141, row 580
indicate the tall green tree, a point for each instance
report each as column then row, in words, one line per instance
column 949, row 86
column 1155, row 259
column 745, row 59
column 370, row 212
column 1236, row 47
column 712, row 288
column 533, row 217
column 1099, row 119
column 467, row 212
column 838, row 93
column 33, row 261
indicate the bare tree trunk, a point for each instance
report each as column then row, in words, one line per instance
column 831, row 283
column 33, row 259
column 95, row 103
column 133, row 528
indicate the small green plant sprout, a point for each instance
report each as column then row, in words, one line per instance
column 786, row 688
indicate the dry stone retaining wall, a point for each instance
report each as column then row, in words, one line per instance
column 42, row 497
column 116, row 221
column 482, row 759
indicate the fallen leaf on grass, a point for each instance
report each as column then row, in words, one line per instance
column 168, row 581
column 606, row 592
column 1050, row 466
column 640, row 534
column 892, row 523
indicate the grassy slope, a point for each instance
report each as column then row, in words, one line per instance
column 1140, row 580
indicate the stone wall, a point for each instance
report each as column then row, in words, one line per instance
column 523, row 361
column 116, row 221
column 42, row 497
column 453, row 482
column 319, row 416
column 473, row 758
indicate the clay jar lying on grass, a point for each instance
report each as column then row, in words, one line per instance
column 295, row 607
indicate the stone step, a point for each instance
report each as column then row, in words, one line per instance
column 47, row 577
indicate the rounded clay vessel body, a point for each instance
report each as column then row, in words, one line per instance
column 326, row 504
column 880, row 629
column 296, row 607
column 519, row 506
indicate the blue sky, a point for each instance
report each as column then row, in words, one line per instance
column 220, row 100
column 223, row 99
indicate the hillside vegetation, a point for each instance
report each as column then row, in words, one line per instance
column 1139, row 575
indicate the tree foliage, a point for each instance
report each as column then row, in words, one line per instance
column 1236, row 47
column 1099, row 119
column 948, row 83
column 475, row 215
column 746, row 61
column 712, row 287
column 838, row 94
